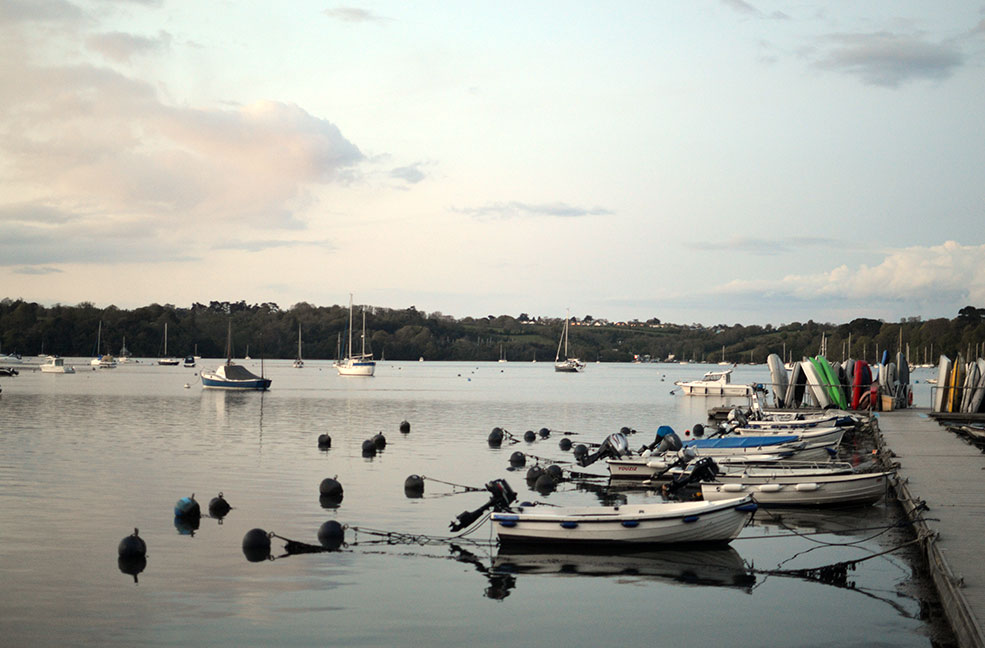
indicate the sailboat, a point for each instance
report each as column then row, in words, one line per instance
column 124, row 352
column 723, row 363
column 167, row 360
column 233, row 376
column 102, row 361
column 567, row 365
column 502, row 354
column 298, row 362
column 356, row 365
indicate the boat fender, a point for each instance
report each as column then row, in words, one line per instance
column 379, row 441
column 554, row 472
column 495, row 437
column 330, row 487
column 534, row 472
column 748, row 506
column 630, row 524
column 544, row 433
column 369, row 448
column 688, row 519
column 331, row 535
column 187, row 507
column 545, row 484
column 132, row 546
column 219, row 507
column 806, row 488
column 565, row 444
column 569, row 524
column 770, row 488
column 324, row 441
column 518, row 459
column 657, row 464
column 414, row 486
column 405, row 427
column 256, row 545
column 529, row 436
column 733, row 488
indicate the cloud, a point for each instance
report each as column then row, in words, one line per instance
column 39, row 11
column 353, row 15
column 742, row 7
column 890, row 60
column 767, row 247
column 411, row 173
column 261, row 245
column 516, row 209
column 121, row 47
column 36, row 270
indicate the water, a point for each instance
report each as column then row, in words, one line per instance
column 85, row 458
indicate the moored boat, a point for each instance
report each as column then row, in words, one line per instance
column 714, row 383
column 351, row 364
column 778, row 489
column 54, row 364
column 565, row 364
column 233, row 376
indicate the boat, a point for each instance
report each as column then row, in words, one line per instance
column 628, row 524
column 502, row 354
column 298, row 362
column 124, row 356
column 54, row 364
column 666, row 467
column 714, row 383
column 105, row 361
column 233, row 376
column 167, row 360
column 189, row 361
column 566, row 365
column 780, row 489
column 356, row 365
column 778, row 378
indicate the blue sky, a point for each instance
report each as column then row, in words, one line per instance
column 723, row 161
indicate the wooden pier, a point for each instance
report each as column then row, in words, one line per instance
column 945, row 474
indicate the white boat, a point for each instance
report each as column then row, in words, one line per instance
column 650, row 523
column 813, row 436
column 233, row 376
column 502, row 354
column 167, row 360
column 352, row 364
column 780, row 489
column 124, row 356
column 54, row 364
column 298, row 362
column 714, row 383
column 566, row 365
column 102, row 361
column 189, row 362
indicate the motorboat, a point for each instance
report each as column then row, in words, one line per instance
column 233, row 376
column 779, row 489
column 54, row 364
column 714, row 383
column 351, row 364
column 189, row 361
column 646, row 523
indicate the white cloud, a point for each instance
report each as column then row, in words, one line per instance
column 516, row 209
column 888, row 59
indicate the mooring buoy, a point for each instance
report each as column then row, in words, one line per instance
column 187, row 507
column 529, row 436
column 256, row 545
column 331, row 535
column 565, row 444
column 324, row 441
column 405, row 427
column 495, row 437
column 379, row 441
column 518, row 459
column 369, row 448
column 219, row 507
column 132, row 546
column 414, row 486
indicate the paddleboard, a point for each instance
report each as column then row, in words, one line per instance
column 940, row 389
column 778, row 374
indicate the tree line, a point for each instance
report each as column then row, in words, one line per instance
column 267, row 330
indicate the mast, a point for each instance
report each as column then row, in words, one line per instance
column 229, row 343
column 350, row 325
column 363, row 351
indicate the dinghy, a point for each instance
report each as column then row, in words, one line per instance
column 779, row 489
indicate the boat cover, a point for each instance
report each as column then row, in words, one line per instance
column 237, row 372
column 740, row 442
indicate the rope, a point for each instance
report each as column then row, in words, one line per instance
column 422, row 539
column 453, row 485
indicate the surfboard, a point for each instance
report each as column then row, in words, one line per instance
column 778, row 374
column 940, row 390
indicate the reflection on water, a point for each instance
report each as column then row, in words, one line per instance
column 87, row 457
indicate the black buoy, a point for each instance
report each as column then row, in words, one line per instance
column 580, row 450
column 324, row 441
column 534, row 472
column 369, row 448
column 188, row 508
column 414, row 486
column 544, row 484
column 555, row 472
column 132, row 546
column 330, row 487
column 496, row 437
column 698, row 430
column 518, row 459
column 529, row 436
column 544, row 433
column 565, row 444
column 379, row 441
column 256, row 545
column 405, row 427
column 625, row 430
column 331, row 535
column 219, row 507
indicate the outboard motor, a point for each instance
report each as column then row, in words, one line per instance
column 615, row 445
column 704, row 469
column 737, row 417
column 501, row 496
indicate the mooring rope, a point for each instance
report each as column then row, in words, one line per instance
column 454, row 485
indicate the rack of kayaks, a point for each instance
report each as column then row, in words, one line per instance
column 960, row 386
column 849, row 385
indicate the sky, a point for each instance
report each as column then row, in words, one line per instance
column 708, row 161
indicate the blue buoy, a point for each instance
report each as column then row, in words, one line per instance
column 188, row 508
column 256, row 545
column 331, row 535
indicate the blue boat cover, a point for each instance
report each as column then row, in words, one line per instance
column 740, row 441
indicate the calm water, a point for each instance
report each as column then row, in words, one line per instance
column 85, row 458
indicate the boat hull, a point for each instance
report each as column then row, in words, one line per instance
column 356, row 368
column 213, row 381
column 819, row 490
column 660, row 523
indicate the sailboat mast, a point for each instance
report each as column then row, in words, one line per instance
column 350, row 324
column 364, row 334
